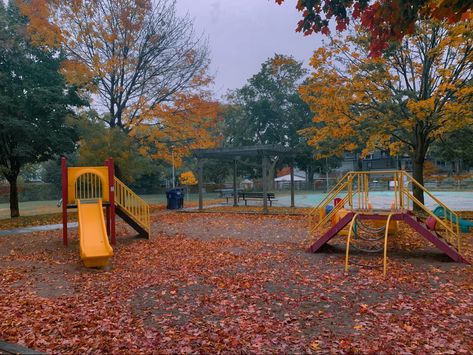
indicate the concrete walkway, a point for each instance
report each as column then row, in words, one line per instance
column 8, row 348
column 48, row 227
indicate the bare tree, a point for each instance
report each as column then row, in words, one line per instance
column 133, row 54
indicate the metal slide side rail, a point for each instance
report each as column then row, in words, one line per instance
column 132, row 204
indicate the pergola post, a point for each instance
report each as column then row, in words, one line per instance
column 292, row 184
column 235, row 197
column 265, row 190
column 200, row 165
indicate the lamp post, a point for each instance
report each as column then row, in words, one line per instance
column 326, row 173
column 173, row 172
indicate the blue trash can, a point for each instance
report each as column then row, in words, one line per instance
column 175, row 198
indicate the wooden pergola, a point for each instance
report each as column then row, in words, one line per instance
column 256, row 151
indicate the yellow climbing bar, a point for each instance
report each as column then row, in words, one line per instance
column 350, row 232
column 385, row 254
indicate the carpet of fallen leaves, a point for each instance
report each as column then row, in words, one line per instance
column 210, row 283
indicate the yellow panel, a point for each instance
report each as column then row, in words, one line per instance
column 74, row 173
column 95, row 250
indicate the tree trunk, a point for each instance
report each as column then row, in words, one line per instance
column 14, row 207
column 310, row 175
column 418, row 174
column 271, row 172
column 418, row 159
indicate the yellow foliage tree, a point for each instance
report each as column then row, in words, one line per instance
column 403, row 101
column 187, row 178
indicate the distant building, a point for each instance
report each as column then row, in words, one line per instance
column 246, row 184
column 283, row 179
column 378, row 160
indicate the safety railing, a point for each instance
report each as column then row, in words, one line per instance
column 88, row 186
column 357, row 185
column 133, row 204
column 450, row 220
column 327, row 217
column 319, row 210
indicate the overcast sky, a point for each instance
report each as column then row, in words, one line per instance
column 242, row 34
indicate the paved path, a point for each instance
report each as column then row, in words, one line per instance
column 48, row 227
column 8, row 348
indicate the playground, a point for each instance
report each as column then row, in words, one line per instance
column 165, row 281
column 170, row 183
column 215, row 282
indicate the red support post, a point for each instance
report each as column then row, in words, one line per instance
column 107, row 208
column 111, row 183
column 107, row 219
column 64, row 199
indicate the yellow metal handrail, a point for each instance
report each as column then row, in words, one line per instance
column 452, row 228
column 342, row 184
column 448, row 229
column 329, row 196
column 329, row 215
column 133, row 204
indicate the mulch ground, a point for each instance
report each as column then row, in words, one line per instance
column 209, row 283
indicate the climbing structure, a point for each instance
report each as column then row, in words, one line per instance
column 89, row 189
column 352, row 194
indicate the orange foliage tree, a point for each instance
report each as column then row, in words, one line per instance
column 188, row 123
column 143, row 64
column 401, row 102
column 386, row 20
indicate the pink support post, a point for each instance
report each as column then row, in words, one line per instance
column 111, row 182
column 64, row 199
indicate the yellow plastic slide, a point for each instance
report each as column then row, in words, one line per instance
column 95, row 250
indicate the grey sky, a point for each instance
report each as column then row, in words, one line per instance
column 242, row 34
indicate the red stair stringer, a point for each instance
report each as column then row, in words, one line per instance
column 434, row 238
column 332, row 232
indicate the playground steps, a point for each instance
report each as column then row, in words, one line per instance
column 132, row 208
column 128, row 218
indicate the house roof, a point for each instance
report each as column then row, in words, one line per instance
column 288, row 178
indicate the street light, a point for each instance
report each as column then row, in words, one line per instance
column 326, row 173
column 173, row 173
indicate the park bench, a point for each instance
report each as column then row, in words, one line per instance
column 258, row 196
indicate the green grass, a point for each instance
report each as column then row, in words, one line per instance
column 31, row 208
column 34, row 208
